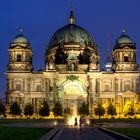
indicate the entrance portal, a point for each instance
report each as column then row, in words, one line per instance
column 72, row 93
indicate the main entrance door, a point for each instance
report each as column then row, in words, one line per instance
column 72, row 96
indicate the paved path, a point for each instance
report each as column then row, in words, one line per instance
column 83, row 134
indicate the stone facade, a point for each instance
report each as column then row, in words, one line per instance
column 72, row 72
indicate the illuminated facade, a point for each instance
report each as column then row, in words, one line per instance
column 72, row 72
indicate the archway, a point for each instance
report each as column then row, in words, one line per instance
column 72, row 93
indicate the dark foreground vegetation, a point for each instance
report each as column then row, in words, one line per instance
column 21, row 133
column 131, row 132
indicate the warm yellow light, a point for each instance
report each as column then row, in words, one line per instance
column 126, row 107
column 71, row 120
column 88, row 122
column 51, row 116
column 55, row 122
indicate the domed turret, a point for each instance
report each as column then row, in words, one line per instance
column 124, row 39
column 20, row 39
column 20, row 54
column 124, row 54
column 71, row 37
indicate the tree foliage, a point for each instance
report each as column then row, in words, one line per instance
column 99, row 110
column 15, row 109
column 57, row 110
column 84, row 109
column 2, row 109
column 44, row 110
column 28, row 110
column 130, row 111
column 111, row 110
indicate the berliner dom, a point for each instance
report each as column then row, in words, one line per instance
column 72, row 73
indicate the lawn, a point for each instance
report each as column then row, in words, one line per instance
column 116, row 120
column 131, row 132
column 28, row 120
column 21, row 133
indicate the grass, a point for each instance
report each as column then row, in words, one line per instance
column 28, row 120
column 131, row 132
column 116, row 120
column 21, row 133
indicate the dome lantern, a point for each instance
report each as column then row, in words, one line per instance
column 71, row 18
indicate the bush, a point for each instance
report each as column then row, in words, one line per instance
column 28, row 110
column 44, row 110
column 15, row 109
column 100, row 111
column 57, row 110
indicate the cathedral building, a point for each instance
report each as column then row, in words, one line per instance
column 72, row 72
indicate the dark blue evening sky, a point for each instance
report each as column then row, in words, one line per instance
column 41, row 18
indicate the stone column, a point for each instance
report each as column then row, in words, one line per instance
column 90, row 96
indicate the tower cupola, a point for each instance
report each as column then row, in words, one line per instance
column 20, row 54
column 124, row 54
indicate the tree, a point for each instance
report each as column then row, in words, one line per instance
column 100, row 111
column 130, row 111
column 44, row 110
column 28, row 110
column 84, row 109
column 111, row 110
column 57, row 110
column 2, row 109
column 15, row 109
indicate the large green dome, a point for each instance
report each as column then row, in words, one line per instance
column 71, row 34
column 71, row 42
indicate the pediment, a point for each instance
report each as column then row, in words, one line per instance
column 129, row 93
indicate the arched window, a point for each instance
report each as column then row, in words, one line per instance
column 18, row 57
column 38, row 87
column 17, row 87
column 127, row 85
column 126, row 58
column 107, row 85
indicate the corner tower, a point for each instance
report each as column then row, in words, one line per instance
column 124, row 55
column 20, row 55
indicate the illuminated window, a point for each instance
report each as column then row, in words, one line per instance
column 126, row 86
column 18, row 87
column 38, row 87
column 19, row 58
column 126, row 58
column 106, row 88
